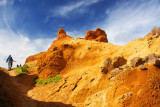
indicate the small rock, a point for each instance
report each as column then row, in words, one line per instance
column 142, row 67
column 115, row 72
column 126, row 68
column 124, row 97
column 88, row 48
column 136, row 61
column 92, row 80
column 152, row 59
column 107, row 66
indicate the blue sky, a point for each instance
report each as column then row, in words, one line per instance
column 29, row 26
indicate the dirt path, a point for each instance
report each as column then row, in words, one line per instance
column 16, row 89
column 12, row 73
column 21, row 96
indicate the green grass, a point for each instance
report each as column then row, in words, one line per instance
column 22, row 70
column 54, row 79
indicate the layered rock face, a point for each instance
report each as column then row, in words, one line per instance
column 59, row 54
column 97, row 35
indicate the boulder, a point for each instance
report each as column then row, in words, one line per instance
column 107, row 65
column 152, row 59
column 119, row 61
column 115, row 72
column 136, row 61
column 97, row 35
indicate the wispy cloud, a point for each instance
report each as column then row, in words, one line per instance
column 130, row 20
column 18, row 44
column 8, row 26
column 79, row 7
column 3, row 2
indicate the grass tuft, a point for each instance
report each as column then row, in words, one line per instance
column 54, row 79
column 22, row 70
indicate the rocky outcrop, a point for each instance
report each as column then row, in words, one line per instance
column 97, row 35
column 61, row 34
column 50, row 63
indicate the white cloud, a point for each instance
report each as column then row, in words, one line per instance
column 20, row 46
column 3, row 2
column 78, row 6
column 131, row 20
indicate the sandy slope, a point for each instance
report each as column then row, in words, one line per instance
column 84, row 84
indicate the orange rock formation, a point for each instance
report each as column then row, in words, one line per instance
column 81, row 64
column 97, row 35
column 61, row 34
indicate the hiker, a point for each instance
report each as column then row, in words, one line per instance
column 10, row 62
column 17, row 65
column 20, row 65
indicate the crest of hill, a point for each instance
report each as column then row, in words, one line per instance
column 66, row 52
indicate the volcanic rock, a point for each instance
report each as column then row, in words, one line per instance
column 97, row 35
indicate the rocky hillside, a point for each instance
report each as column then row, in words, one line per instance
column 96, row 73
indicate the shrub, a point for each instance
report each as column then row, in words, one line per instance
column 54, row 79
column 22, row 70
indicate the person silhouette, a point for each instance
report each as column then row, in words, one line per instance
column 10, row 62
